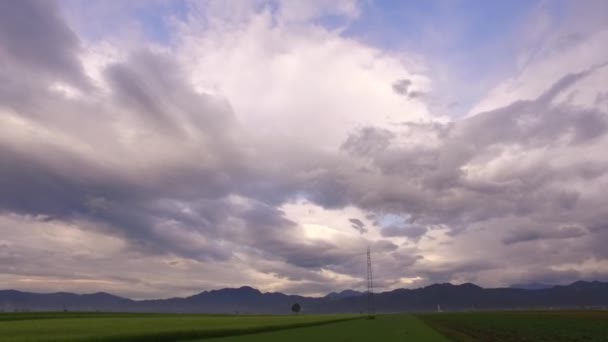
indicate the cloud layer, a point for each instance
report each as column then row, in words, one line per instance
column 247, row 150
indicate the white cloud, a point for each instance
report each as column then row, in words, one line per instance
column 301, row 82
column 550, row 64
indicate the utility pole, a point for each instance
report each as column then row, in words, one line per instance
column 371, row 309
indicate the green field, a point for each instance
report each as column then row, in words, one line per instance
column 383, row 328
column 480, row 326
column 71, row 327
column 522, row 326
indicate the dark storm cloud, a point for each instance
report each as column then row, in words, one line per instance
column 34, row 37
column 465, row 270
column 153, row 86
column 314, row 254
column 392, row 257
column 368, row 141
column 358, row 225
column 309, row 255
column 180, row 207
column 543, row 233
column 414, row 232
column 403, row 88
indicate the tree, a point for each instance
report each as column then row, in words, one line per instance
column 296, row 307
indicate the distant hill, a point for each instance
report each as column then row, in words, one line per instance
column 247, row 300
column 11, row 300
column 344, row 294
column 531, row 286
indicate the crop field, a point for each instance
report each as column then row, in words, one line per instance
column 71, row 327
column 521, row 326
column 480, row 326
column 384, row 328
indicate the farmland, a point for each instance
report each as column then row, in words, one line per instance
column 521, row 326
column 143, row 327
column 383, row 328
column 478, row 326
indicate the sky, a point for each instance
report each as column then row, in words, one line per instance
column 155, row 148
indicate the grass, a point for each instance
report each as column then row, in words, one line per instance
column 384, row 328
column 75, row 327
column 24, row 316
column 521, row 326
column 479, row 326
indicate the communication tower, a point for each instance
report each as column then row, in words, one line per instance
column 371, row 308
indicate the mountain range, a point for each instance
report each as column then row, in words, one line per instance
column 247, row 300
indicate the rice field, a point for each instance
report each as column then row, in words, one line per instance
column 107, row 327
column 479, row 326
column 383, row 328
column 588, row 326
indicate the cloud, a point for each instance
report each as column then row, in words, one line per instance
column 403, row 87
column 352, row 80
column 167, row 170
column 251, row 146
column 368, row 141
column 525, row 235
column 33, row 37
column 413, row 232
column 358, row 225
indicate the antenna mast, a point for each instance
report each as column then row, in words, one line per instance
column 371, row 309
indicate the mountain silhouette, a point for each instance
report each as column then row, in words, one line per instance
column 344, row 294
column 247, row 300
